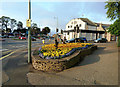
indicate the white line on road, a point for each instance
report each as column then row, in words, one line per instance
column 3, row 49
column 19, row 46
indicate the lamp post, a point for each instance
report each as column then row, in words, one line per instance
column 29, row 32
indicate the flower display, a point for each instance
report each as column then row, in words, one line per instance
column 63, row 50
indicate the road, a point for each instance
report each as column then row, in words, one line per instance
column 14, row 59
column 99, row 68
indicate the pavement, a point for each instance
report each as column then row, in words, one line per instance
column 99, row 68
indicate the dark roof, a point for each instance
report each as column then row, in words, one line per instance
column 88, row 21
column 104, row 26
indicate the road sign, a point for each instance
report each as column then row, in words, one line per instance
column 28, row 23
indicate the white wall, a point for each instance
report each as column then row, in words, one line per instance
column 75, row 22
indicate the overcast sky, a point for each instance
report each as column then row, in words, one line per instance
column 44, row 13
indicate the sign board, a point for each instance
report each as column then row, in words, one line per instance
column 28, row 23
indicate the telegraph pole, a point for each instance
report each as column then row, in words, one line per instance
column 29, row 32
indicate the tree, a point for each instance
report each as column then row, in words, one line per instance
column 34, row 29
column 5, row 20
column 19, row 26
column 13, row 24
column 115, row 28
column 46, row 30
column 113, row 12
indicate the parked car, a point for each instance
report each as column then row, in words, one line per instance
column 22, row 38
column 33, row 38
column 5, row 36
column 1, row 39
column 11, row 36
column 80, row 39
column 101, row 40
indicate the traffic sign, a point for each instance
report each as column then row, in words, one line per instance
column 28, row 23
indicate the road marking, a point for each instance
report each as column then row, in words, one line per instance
column 7, row 55
column 3, row 49
column 6, row 51
column 19, row 46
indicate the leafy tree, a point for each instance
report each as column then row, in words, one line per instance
column 46, row 30
column 24, row 30
column 113, row 12
column 8, row 30
column 5, row 20
column 33, row 28
column 115, row 28
column 13, row 23
column 19, row 25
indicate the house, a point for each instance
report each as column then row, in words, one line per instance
column 87, row 28
column 107, row 35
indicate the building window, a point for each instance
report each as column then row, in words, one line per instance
column 68, row 26
column 71, row 26
column 75, row 22
column 79, row 25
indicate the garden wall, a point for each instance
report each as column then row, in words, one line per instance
column 56, row 65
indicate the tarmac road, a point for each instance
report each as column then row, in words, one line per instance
column 99, row 68
column 15, row 66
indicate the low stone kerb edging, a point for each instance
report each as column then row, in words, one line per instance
column 57, row 65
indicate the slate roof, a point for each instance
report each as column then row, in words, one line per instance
column 104, row 26
column 88, row 21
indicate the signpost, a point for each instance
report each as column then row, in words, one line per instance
column 28, row 24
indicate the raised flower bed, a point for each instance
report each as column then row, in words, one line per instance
column 63, row 50
column 48, row 58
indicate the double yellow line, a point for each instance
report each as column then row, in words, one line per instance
column 7, row 55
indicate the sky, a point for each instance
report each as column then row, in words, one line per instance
column 46, row 13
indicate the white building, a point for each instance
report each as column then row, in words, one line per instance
column 87, row 28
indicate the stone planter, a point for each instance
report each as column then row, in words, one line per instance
column 57, row 65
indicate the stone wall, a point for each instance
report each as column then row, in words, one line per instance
column 57, row 65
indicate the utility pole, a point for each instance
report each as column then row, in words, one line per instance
column 29, row 32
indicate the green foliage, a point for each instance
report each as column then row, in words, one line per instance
column 19, row 25
column 34, row 29
column 113, row 10
column 115, row 28
column 46, row 30
column 5, row 21
column 13, row 23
